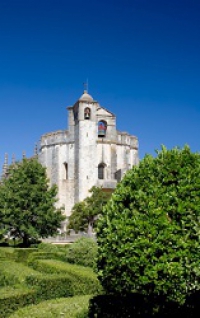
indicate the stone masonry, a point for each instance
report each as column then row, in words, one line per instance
column 92, row 152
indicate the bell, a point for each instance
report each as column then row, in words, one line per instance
column 87, row 115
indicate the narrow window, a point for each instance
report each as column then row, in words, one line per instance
column 101, row 168
column 87, row 113
column 66, row 170
column 76, row 112
column 102, row 127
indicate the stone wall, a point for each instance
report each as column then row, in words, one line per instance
column 72, row 156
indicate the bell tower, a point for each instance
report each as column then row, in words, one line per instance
column 85, row 136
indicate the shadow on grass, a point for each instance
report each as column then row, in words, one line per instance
column 136, row 305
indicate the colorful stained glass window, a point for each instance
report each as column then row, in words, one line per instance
column 102, row 127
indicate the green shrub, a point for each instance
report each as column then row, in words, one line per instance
column 13, row 298
column 54, row 286
column 73, row 307
column 7, row 253
column 12, row 273
column 53, row 266
column 84, row 280
column 45, row 255
column 22, row 254
column 82, row 252
column 148, row 237
column 47, row 247
column 6, row 280
column 61, row 285
column 53, row 248
column 43, row 286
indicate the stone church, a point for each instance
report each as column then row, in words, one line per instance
column 92, row 152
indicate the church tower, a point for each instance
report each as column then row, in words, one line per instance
column 91, row 152
column 85, row 131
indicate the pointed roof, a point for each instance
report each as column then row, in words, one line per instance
column 86, row 97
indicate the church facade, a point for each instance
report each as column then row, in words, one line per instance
column 92, row 152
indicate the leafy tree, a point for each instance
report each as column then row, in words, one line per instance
column 27, row 204
column 85, row 213
column 149, row 234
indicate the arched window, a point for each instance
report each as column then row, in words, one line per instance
column 102, row 127
column 101, row 171
column 87, row 113
column 66, row 170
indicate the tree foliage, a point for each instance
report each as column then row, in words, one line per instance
column 85, row 213
column 82, row 252
column 149, row 234
column 27, row 203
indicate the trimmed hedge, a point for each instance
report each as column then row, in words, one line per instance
column 7, row 253
column 74, row 307
column 12, row 273
column 28, row 254
column 38, row 286
column 13, row 298
column 22, row 254
column 53, row 266
column 45, row 255
column 53, row 248
column 49, row 278
column 83, row 280
column 54, row 286
column 6, row 280
column 41, row 286
column 16, row 254
column 82, row 252
column 59, row 267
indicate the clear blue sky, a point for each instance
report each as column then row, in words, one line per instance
column 141, row 58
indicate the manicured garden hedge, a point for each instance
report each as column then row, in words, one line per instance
column 53, row 248
column 29, row 277
column 45, row 255
column 55, row 266
column 84, row 280
column 7, row 253
column 36, row 286
column 82, row 252
column 16, row 254
column 12, row 273
column 42, row 287
column 13, row 298
column 54, row 286
column 22, row 254
column 74, row 307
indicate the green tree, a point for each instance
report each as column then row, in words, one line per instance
column 85, row 213
column 27, row 203
column 149, row 234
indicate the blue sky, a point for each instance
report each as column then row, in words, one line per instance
column 141, row 58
